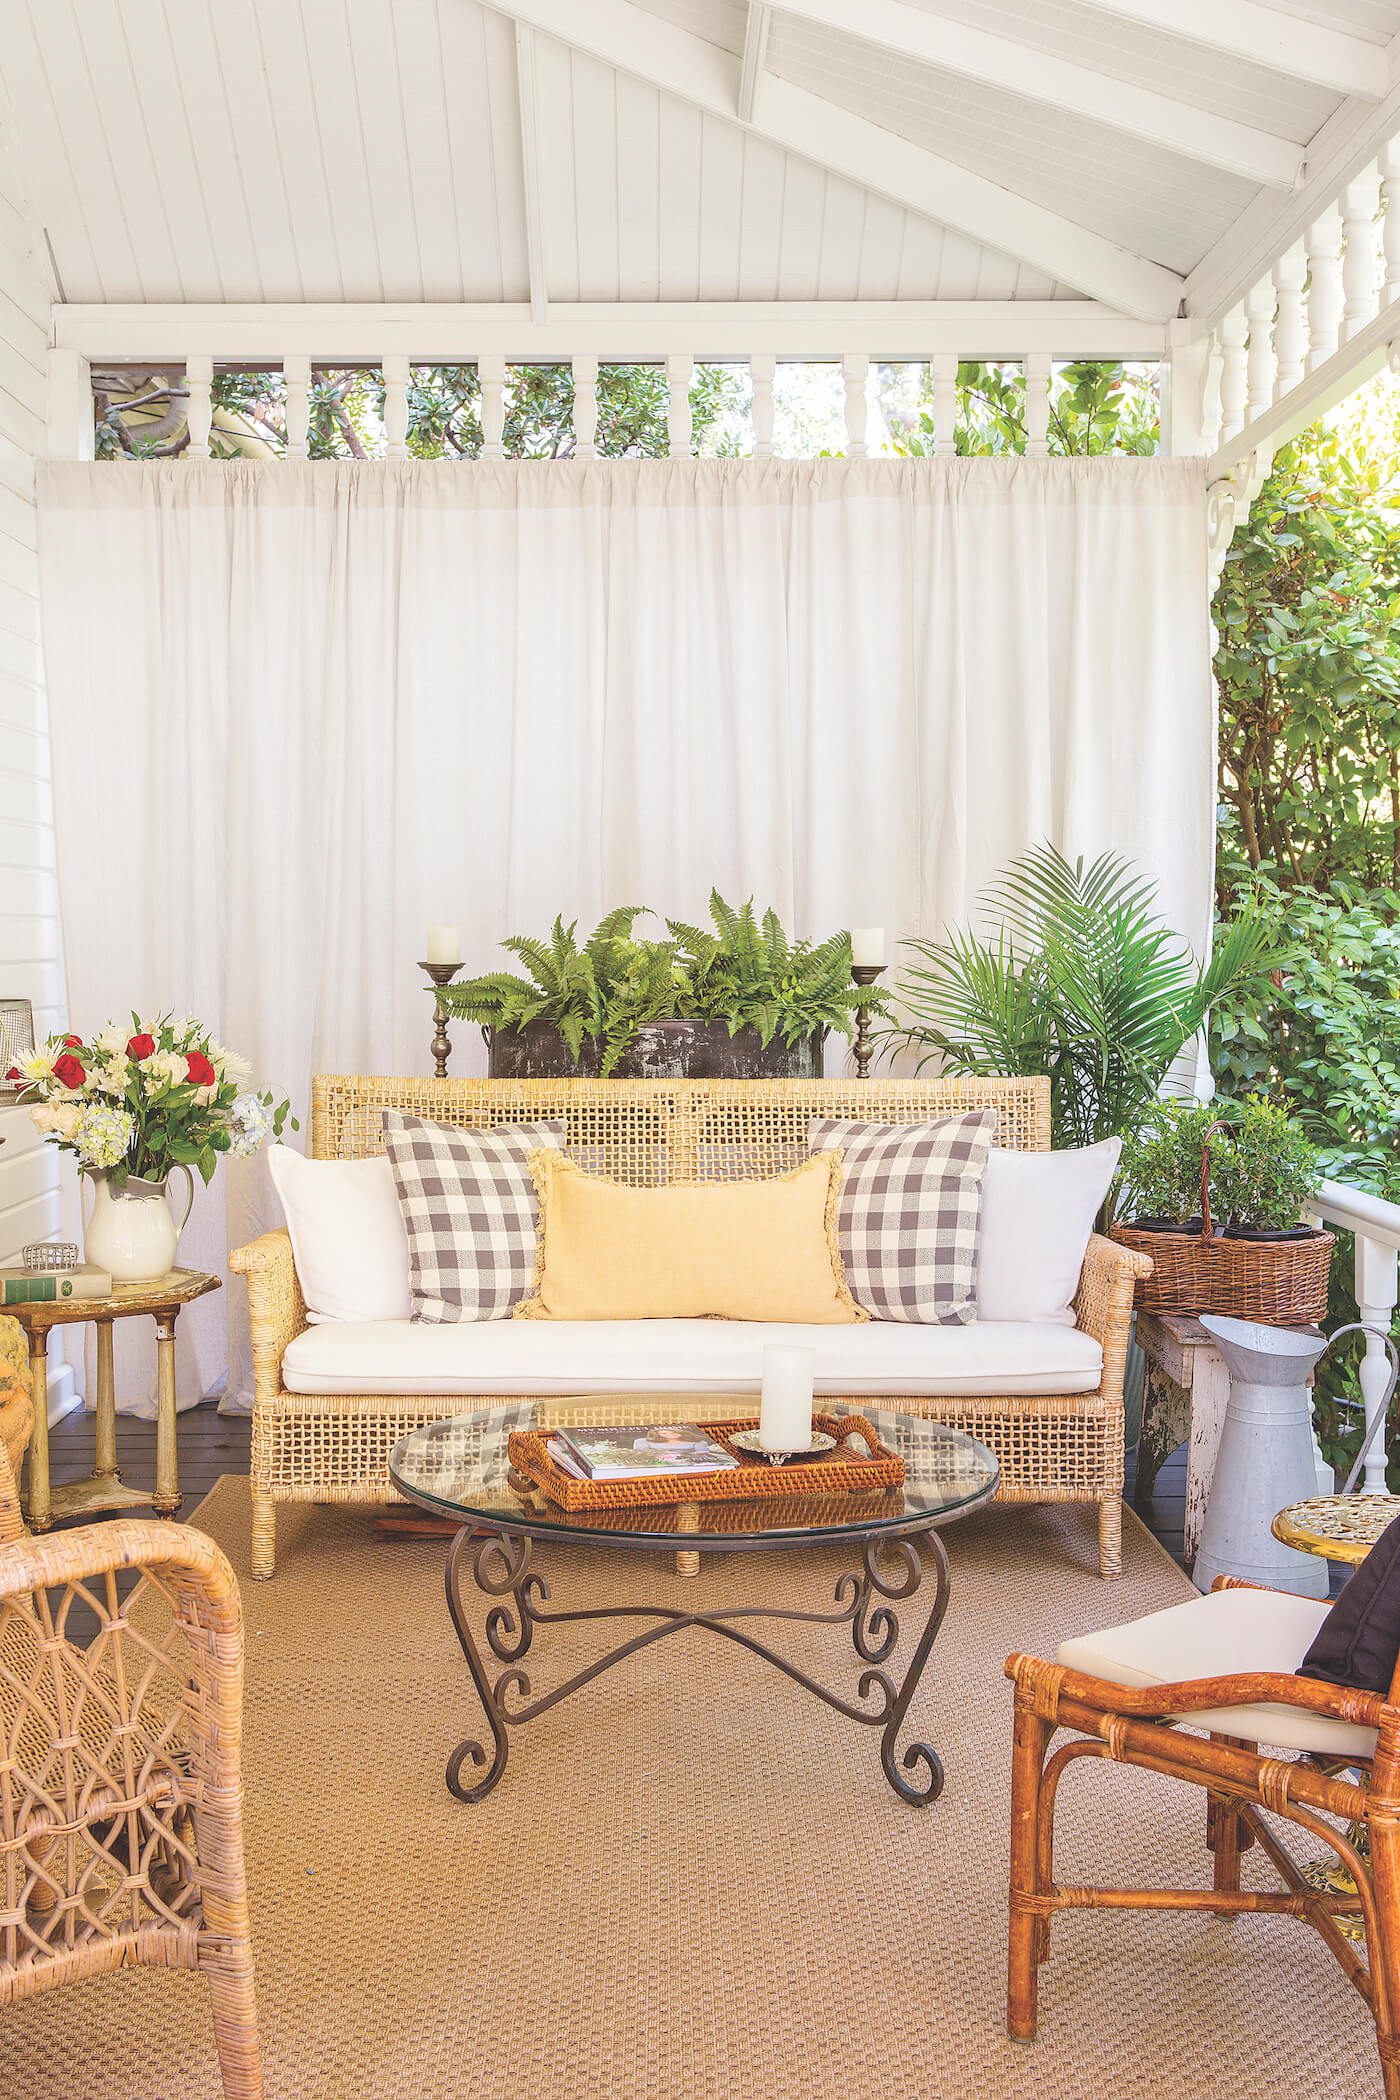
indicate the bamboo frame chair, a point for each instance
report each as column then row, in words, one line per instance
column 1134, row 1726
column 120, row 1804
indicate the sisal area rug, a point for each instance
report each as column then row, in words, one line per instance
column 693, row 1882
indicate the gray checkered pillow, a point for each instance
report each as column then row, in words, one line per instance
column 908, row 1213
column 470, row 1212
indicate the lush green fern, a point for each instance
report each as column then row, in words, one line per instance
column 747, row 973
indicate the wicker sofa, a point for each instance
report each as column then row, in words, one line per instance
column 333, row 1446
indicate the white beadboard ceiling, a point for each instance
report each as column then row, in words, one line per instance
column 290, row 151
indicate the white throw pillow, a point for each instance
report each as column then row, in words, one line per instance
column 348, row 1235
column 1038, row 1210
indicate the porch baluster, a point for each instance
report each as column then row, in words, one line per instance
column 396, row 406
column 1210, row 391
column 199, row 412
column 1234, row 331
column 944, row 369
column 855, row 372
column 1360, row 201
column 491, row 377
column 296, row 375
column 1290, row 328
column 1262, row 364
column 679, row 423
column 1324, row 246
column 1390, row 218
column 762, row 371
column 1376, row 1293
column 585, row 407
column 1037, row 369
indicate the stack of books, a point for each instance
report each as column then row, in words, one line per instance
column 53, row 1286
column 616, row 1451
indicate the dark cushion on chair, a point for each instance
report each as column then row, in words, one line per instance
column 1359, row 1640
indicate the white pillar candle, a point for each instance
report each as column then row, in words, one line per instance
column 785, row 1417
column 868, row 947
column 444, row 944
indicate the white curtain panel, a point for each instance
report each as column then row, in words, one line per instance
column 299, row 710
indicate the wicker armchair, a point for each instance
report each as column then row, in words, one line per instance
column 1337, row 1778
column 120, row 1810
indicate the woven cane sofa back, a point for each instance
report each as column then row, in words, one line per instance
column 649, row 1131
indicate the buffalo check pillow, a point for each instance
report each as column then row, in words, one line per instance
column 470, row 1213
column 908, row 1214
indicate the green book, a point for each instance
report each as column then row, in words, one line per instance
column 53, row 1286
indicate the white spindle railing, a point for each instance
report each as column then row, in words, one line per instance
column 945, row 404
column 855, row 373
column 491, row 374
column 1376, row 1225
column 199, row 409
column 679, row 421
column 296, row 372
column 585, row 408
column 1037, row 365
column 762, row 373
column 396, row 406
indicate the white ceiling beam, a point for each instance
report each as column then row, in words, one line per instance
column 756, row 27
column 1036, row 76
column 620, row 333
column 1283, row 43
column 863, row 153
column 530, row 170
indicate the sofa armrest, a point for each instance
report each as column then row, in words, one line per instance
column 276, row 1308
column 1103, row 1304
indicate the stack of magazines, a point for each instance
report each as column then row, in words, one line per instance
column 617, row 1451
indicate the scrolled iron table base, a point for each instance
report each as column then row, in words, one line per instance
column 891, row 1573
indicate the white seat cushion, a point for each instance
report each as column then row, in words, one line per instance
column 600, row 1356
column 1225, row 1634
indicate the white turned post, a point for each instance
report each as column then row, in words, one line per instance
column 943, row 366
column 1290, row 328
column 585, row 407
column 1037, row 366
column 679, row 371
column 1211, row 374
column 855, row 372
column 1390, row 221
column 396, row 406
column 70, row 431
column 491, row 377
column 1261, row 367
column 1324, row 248
column 1234, row 331
column 1376, row 1280
column 762, row 371
column 296, row 376
column 199, row 408
column 1360, row 203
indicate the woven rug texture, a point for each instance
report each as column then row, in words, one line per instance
column 693, row 1879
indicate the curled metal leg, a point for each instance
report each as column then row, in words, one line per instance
column 499, row 1564
column 900, row 1583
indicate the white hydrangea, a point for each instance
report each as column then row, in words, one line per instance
column 111, row 1077
column 103, row 1135
column 250, row 1125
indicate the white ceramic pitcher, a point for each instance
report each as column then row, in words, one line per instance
column 132, row 1231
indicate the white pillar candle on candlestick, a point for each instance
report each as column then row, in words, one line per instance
column 785, row 1417
column 444, row 944
column 868, row 947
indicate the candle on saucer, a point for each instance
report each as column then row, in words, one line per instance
column 785, row 1415
column 444, row 944
column 868, row 947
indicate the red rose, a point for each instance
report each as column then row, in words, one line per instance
column 70, row 1072
column 141, row 1046
column 199, row 1070
column 74, row 1042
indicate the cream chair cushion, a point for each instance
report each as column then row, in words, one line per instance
column 1225, row 1634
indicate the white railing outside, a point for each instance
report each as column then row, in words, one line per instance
column 1376, row 1225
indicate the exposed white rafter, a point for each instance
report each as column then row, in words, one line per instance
column 1037, row 76
column 833, row 138
column 1284, row 43
column 614, row 333
column 756, row 27
column 530, row 169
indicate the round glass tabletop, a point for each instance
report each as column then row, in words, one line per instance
column 461, row 1468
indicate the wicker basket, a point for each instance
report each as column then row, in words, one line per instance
column 1280, row 1282
column 839, row 1472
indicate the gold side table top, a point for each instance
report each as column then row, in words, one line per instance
column 162, row 1299
column 1336, row 1527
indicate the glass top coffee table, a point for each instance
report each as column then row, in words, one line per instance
column 461, row 1468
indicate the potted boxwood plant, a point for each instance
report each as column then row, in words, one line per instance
column 743, row 1001
column 1265, row 1175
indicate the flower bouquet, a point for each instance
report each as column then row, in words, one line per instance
column 134, row 1106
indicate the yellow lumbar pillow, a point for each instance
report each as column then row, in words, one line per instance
column 739, row 1250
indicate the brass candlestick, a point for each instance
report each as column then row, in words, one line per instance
column 441, row 974
column 864, row 973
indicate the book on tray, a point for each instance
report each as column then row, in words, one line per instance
column 621, row 1451
column 53, row 1286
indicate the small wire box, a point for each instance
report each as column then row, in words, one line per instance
column 842, row 1471
column 16, row 1042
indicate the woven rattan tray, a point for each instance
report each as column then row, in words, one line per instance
column 840, row 1472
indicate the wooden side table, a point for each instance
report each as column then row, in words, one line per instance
column 161, row 1300
column 1184, row 1396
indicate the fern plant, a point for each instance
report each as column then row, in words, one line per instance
column 748, row 974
